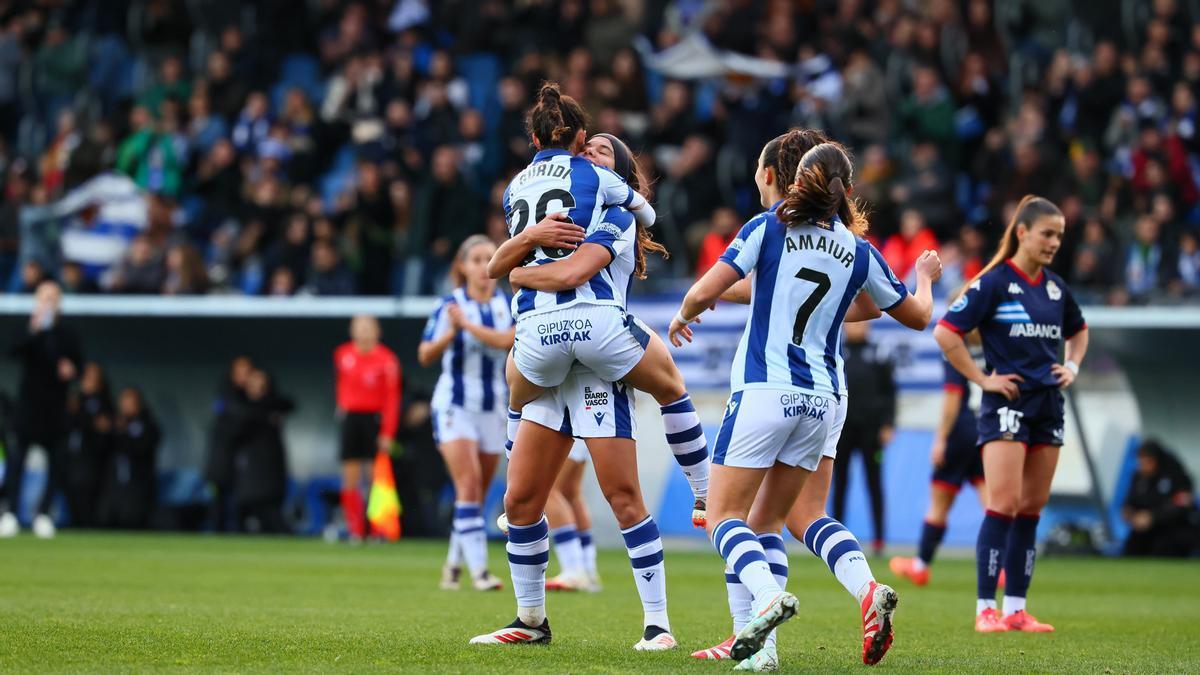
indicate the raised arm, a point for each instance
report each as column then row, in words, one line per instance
column 916, row 310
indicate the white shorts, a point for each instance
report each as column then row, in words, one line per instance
column 579, row 451
column 765, row 426
column 585, row 406
column 455, row 423
column 600, row 337
column 835, row 431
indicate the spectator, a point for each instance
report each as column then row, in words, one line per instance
column 259, row 456
column 721, row 231
column 902, row 249
column 327, row 275
column 446, row 213
column 1187, row 281
column 89, row 438
column 185, row 272
column 51, row 357
column 1095, row 257
column 870, row 422
column 928, row 114
column 141, row 271
column 148, row 156
column 1144, row 260
column 1160, row 507
column 218, row 465
column 131, row 478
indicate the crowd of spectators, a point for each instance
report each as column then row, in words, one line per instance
column 332, row 147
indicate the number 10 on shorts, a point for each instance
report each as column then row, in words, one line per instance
column 1010, row 420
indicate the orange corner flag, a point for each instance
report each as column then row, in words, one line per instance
column 383, row 505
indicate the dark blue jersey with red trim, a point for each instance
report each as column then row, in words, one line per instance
column 1022, row 321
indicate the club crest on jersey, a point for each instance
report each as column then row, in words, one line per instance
column 1014, row 289
column 959, row 305
column 1052, row 290
column 566, row 330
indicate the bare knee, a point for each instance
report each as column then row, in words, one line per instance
column 672, row 392
column 1004, row 503
column 1031, row 506
column 627, row 506
column 520, row 509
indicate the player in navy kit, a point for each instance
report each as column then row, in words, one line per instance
column 1023, row 312
column 956, row 460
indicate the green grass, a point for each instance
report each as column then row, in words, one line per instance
column 152, row 603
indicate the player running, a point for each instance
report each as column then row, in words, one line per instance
column 956, row 460
column 787, row 373
column 549, row 310
column 471, row 332
column 1023, row 312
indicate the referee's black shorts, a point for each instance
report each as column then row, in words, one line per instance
column 360, row 434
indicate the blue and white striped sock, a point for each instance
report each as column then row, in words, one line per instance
column 777, row 560
column 685, row 435
column 832, row 542
column 454, row 553
column 528, row 554
column 645, row 549
column 740, row 599
column 742, row 552
column 468, row 525
column 514, row 423
column 568, row 550
column 589, row 551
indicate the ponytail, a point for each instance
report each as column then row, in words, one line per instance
column 1029, row 209
column 555, row 118
column 821, row 190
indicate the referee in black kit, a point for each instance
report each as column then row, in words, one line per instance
column 50, row 358
column 870, row 421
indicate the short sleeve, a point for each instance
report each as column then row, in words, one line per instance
column 881, row 284
column 613, row 190
column 971, row 308
column 436, row 325
column 1072, row 321
column 615, row 231
column 742, row 252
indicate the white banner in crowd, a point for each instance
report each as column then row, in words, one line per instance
column 705, row 363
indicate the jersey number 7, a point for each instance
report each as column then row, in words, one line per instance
column 520, row 209
column 804, row 313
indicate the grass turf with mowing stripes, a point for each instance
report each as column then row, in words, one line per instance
column 109, row 602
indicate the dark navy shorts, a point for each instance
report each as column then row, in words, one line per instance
column 1034, row 418
column 963, row 462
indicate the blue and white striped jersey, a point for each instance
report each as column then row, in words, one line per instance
column 615, row 231
column 805, row 278
column 472, row 373
column 557, row 182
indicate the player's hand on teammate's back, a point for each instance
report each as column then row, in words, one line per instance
column 1005, row 385
column 1064, row 375
column 929, row 265
column 555, row 231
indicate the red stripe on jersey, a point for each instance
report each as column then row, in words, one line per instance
column 951, row 327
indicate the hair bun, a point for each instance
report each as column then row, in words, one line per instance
column 549, row 93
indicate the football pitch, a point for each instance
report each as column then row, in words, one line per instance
column 153, row 603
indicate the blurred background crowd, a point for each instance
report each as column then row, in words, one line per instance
column 334, row 147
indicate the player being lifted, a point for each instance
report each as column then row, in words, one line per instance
column 580, row 186
column 1024, row 312
column 786, row 379
column 470, row 332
